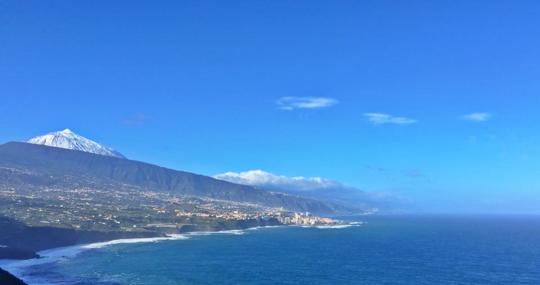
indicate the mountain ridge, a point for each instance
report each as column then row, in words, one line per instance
column 58, row 162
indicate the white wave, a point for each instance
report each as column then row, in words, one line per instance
column 132, row 240
column 264, row 227
column 62, row 253
column 207, row 233
column 233, row 232
column 336, row 227
column 18, row 267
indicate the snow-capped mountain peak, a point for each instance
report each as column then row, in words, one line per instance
column 66, row 131
column 69, row 140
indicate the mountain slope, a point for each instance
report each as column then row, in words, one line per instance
column 58, row 163
column 7, row 278
column 70, row 140
column 317, row 188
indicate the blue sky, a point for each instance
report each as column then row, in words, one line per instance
column 374, row 94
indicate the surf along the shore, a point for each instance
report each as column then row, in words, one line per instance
column 19, row 268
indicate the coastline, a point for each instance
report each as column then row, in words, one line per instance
column 17, row 267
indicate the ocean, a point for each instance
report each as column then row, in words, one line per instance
column 382, row 250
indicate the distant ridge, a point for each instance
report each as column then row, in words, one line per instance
column 69, row 140
column 7, row 278
column 51, row 165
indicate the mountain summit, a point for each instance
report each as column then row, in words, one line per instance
column 69, row 140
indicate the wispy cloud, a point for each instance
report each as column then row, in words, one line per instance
column 477, row 117
column 136, row 119
column 414, row 173
column 395, row 174
column 381, row 118
column 293, row 103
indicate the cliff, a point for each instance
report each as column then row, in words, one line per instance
column 7, row 278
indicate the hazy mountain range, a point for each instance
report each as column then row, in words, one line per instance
column 56, row 156
column 319, row 188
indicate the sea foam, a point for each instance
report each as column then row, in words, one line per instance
column 207, row 233
column 335, row 227
column 18, row 267
column 132, row 240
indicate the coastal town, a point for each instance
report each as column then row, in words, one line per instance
column 118, row 207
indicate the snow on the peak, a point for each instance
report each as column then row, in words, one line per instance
column 69, row 140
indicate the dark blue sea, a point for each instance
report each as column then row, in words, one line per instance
column 383, row 250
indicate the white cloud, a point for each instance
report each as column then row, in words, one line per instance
column 293, row 103
column 313, row 187
column 477, row 117
column 266, row 179
column 381, row 118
